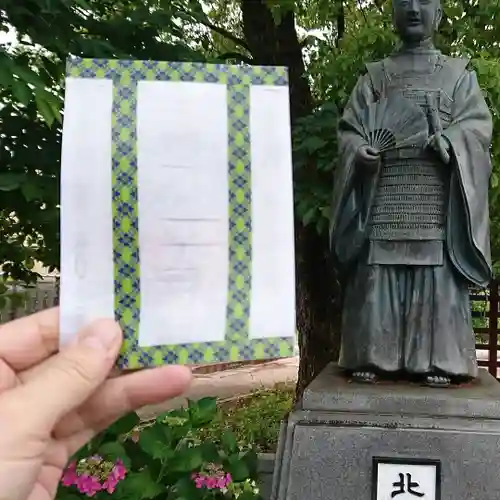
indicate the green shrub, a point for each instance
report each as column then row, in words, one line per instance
column 254, row 420
column 164, row 459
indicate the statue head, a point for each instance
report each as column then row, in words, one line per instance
column 416, row 20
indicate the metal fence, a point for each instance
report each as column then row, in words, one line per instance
column 22, row 300
column 485, row 320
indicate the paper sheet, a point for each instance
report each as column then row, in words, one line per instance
column 86, row 220
column 177, row 209
column 273, row 276
column 183, row 200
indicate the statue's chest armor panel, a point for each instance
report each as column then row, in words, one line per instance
column 412, row 190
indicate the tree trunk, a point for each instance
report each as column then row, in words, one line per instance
column 317, row 311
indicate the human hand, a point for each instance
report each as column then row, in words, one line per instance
column 51, row 403
column 368, row 157
column 439, row 144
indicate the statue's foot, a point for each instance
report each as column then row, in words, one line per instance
column 364, row 377
column 434, row 380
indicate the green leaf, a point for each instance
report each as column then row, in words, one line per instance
column 5, row 70
column 188, row 459
column 196, row 6
column 22, row 92
column 83, row 4
column 309, row 216
column 251, row 459
column 53, row 103
column 153, row 441
column 174, row 418
column 249, row 495
column 314, row 143
column 140, row 486
column 45, row 110
column 9, row 182
column 229, row 442
column 494, row 180
column 124, row 425
column 238, row 469
column 28, row 75
column 209, row 452
column 31, row 191
column 185, row 489
column 203, row 411
column 112, row 451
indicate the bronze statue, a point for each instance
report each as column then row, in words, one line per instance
column 412, row 249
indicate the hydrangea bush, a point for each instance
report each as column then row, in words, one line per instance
column 162, row 460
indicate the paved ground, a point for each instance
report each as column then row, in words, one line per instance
column 229, row 383
column 239, row 381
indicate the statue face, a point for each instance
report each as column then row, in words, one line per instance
column 416, row 20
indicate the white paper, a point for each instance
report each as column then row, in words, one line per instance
column 86, row 215
column 413, row 479
column 183, row 212
column 272, row 307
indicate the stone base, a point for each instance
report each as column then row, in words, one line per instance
column 328, row 445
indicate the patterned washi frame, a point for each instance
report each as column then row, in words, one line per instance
column 125, row 76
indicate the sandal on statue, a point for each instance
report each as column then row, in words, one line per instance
column 364, row 377
column 434, row 380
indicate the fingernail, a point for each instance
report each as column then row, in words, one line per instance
column 101, row 335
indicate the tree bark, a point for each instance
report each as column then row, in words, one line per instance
column 340, row 20
column 318, row 303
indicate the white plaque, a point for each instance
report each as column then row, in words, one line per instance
column 406, row 479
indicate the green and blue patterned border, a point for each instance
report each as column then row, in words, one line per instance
column 238, row 79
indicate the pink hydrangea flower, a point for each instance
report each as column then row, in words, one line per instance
column 70, row 475
column 223, row 481
column 88, row 476
column 119, row 471
column 88, row 484
column 109, row 485
column 218, row 480
column 210, row 482
column 117, row 474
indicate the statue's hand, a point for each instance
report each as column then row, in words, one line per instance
column 441, row 146
column 368, row 157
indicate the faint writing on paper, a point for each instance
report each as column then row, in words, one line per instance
column 406, row 485
column 179, row 280
column 176, row 166
column 190, row 231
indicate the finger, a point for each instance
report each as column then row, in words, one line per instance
column 445, row 156
column 430, row 142
column 32, row 372
column 372, row 151
column 8, row 378
column 27, row 341
column 125, row 394
column 70, row 377
column 118, row 397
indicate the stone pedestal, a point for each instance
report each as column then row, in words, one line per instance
column 345, row 439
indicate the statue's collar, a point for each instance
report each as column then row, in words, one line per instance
column 424, row 47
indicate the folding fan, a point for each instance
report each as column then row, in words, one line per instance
column 395, row 123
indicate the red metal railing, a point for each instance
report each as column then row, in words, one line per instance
column 485, row 318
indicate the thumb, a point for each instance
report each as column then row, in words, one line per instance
column 64, row 381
